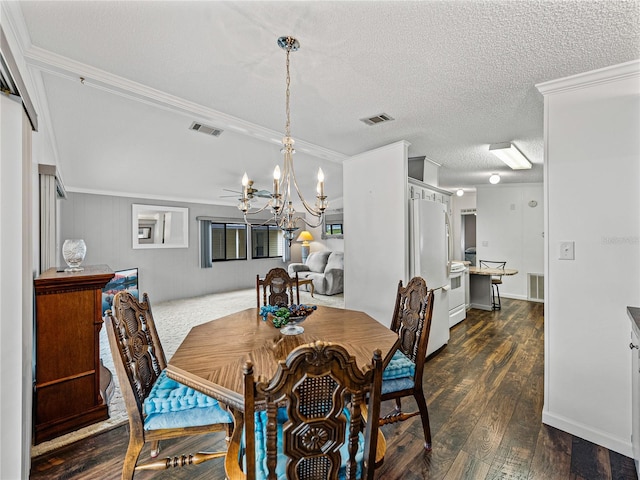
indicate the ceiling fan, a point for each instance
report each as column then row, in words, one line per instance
column 251, row 192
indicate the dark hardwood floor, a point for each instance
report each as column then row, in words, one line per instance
column 484, row 391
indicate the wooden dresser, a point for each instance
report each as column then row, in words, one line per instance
column 67, row 351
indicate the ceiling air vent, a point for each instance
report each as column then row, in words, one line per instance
column 206, row 129
column 376, row 119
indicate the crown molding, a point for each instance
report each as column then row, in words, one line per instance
column 13, row 20
column 143, row 196
column 588, row 79
column 13, row 62
column 15, row 26
column 166, row 198
column 55, row 64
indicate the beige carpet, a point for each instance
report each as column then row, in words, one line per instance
column 173, row 320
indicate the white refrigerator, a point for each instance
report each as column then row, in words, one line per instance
column 430, row 254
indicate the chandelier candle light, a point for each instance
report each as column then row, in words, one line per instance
column 281, row 202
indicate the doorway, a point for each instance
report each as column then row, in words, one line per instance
column 468, row 237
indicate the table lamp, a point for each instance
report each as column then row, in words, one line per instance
column 305, row 237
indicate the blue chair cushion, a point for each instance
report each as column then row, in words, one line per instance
column 167, row 396
column 399, row 367
column 397, row 384
column 171, row 404
column 261, row 448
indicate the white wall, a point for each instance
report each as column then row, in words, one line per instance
column 508, row 229
column 376, row 208
column 16, row 290
column 592, row 152
column 19, row 258
column 104, row 222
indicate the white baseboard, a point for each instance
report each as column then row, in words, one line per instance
column 588, row 433
column 513, row 296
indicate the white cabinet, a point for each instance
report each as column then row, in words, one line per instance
column 418, row 189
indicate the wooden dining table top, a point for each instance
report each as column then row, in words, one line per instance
column 212, row 355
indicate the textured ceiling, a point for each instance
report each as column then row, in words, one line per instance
column 455, row 75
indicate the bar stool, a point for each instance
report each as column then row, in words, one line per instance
column 496, row 280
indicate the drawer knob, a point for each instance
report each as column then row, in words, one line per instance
column 632, row 346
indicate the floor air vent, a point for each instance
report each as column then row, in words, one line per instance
column 206, row 129
column 536, row 287
column 376, row 119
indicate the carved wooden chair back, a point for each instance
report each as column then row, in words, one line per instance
column 321, row 410
column 136, row 349
column 139, row 362
column 277, row 288
column 412, row 322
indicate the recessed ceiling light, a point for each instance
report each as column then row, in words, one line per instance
column 460, row 192
column 494, row 178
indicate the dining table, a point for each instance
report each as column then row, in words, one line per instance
column 212, row 356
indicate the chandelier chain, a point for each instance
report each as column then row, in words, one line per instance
column 281, row 201
column 287, row 127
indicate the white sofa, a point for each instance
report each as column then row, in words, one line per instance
column 325, row 269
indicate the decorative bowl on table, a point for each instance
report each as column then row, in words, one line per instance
column 289, row 318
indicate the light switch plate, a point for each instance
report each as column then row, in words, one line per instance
column 567, row 250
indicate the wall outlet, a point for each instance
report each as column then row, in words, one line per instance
column 567, row 250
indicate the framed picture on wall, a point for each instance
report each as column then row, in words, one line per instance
column 123, row 280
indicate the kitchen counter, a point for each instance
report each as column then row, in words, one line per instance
column 466, row 263
column 492, row 271
column 480, row 285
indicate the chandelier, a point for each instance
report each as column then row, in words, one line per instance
column 280, row 201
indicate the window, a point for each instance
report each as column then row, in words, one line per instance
column 333, row 225
column 228, row 241
column 333, row 228
column 266, row 241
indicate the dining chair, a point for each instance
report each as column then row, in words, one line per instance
column 402, row 377
column 315, row 419
column 277, row 288
column 496, row 280
column 158, row 407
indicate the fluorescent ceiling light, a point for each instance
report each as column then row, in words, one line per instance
column 510, row 155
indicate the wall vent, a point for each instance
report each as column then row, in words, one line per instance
column 376, row 119
column 206, row 129
column 536, row 287
column 468, row 211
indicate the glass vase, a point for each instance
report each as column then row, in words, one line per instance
column 73, row 252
